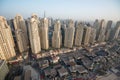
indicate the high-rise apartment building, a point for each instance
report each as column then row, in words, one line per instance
column 116, row 30
column 63, row 27
column 44, row 33
column 3, row 69
column 96, row 25
column 69, row 34
column 6, row 40
column 57, row 38
column 92, row 35
column 100, row 30
column 86, row 35
column 33, row 26
column 79, row 34
column 108, row 30
column 21, row 33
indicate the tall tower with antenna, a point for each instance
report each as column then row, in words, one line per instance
column 44, row 33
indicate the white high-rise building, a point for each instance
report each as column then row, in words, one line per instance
column 57, row 38
column 34, row 34
column 6, row 40
column 79, row 35
column 44, row 33
column 108, row 30
column 69, row 34
column 96, row 25
column 101, row 35
column 116, row 30
column 92, row 35
column 100, row 27
column 21, row 33
column 86, row 35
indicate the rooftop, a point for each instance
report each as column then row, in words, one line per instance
column 62, row 72
column 34, row 74
column 102, row 53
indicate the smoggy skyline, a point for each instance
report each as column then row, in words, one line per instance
column 64, row 9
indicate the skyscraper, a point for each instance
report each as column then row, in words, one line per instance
column 63, row 27
column 92, row 35
column 6, row 40
column 79, row 34
column 44, row 34
column 86, row 35
column 101, row 31
column 21, row 33
column 69, row 34
column 116, row 30
column 34, row 34
column 56, row 38
column 108, row 30
column 96, row 25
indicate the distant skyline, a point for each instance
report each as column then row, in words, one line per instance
column 63, row 9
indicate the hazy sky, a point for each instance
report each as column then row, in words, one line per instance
column 75, row 9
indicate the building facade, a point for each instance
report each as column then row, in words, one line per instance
column 44, row 33
column 116, row 30
column 92, row 35
column 69, row 34
column 96, row 26
column 57, row 38
column 33, row 26
column 6, row 40
column 108, row 30
column 101, row 32
column 21, row 33
column 79, row 34
column 86, row 35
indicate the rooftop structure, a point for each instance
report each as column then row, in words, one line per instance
column 62, row 72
